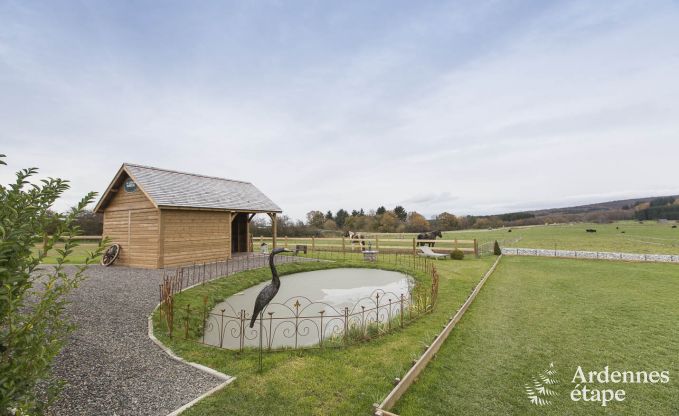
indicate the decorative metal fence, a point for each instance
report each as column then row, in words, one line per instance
column 298, row 322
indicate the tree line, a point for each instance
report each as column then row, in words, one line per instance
column 381, row 220
column 87, row 221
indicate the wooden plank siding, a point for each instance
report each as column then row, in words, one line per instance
column 132, row 221
column 194, row 236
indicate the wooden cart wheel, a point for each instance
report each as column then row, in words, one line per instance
column 110, row 255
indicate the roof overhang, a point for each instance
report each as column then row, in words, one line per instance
column 251, row 211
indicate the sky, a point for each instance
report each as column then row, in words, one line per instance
column 478, row 107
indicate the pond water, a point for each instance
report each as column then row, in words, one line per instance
column 309, row 308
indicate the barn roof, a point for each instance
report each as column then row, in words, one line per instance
column 172, row 189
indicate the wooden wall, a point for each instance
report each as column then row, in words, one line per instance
column 194, row 236
column 131, row 220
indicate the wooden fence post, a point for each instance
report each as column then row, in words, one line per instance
column 476, row 247
column 414, row 247
column 377, row 242
column 313, row 243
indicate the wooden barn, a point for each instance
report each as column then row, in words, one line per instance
column 163, row 218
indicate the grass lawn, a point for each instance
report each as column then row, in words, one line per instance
column 78, row 256
column 345, row 381
column 649, row 237
column 533, row 311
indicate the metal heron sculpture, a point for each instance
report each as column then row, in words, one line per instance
column 270, row 290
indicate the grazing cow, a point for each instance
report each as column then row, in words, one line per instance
column 429, row 236
column 590, row 230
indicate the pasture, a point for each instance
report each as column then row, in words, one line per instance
column 535, row 311
column 623, row 236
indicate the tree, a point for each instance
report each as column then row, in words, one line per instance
column 328, row 215
column 388, row 223
column 315, row 219
column 662, row 201
column 401, row 213
column 496, row 248
column 381, row 210
column 361, row 212
column 341, row 217
column 354, row 213
column 417, row 223
column 467, row 222
column 447, row 221
column 329, row 225
column 90, row 223
column 33, row 327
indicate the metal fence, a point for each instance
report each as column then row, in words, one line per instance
column 298, row 322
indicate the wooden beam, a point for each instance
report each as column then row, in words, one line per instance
column 272, row 215
column 251, row 216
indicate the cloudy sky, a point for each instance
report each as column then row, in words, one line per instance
column 472, row 107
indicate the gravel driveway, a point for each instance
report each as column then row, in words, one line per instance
column 110, row 365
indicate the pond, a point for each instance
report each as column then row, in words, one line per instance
column 310, row 307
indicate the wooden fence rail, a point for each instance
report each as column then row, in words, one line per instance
column 382, row 409
column 375, row 243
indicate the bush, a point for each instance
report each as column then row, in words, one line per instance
column 32, row 326
column 457, row 254
column 496, row 249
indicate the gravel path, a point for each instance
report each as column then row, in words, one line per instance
column 110, row 365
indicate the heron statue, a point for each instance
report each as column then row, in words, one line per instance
column 270, row 290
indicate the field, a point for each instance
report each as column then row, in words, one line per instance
column 624, row 236
column 534, row 311
column 78, row 256
column 344, row 381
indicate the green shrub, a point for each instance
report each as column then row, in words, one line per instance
column 457, row 254
column 496, row 249
column 32, row 299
